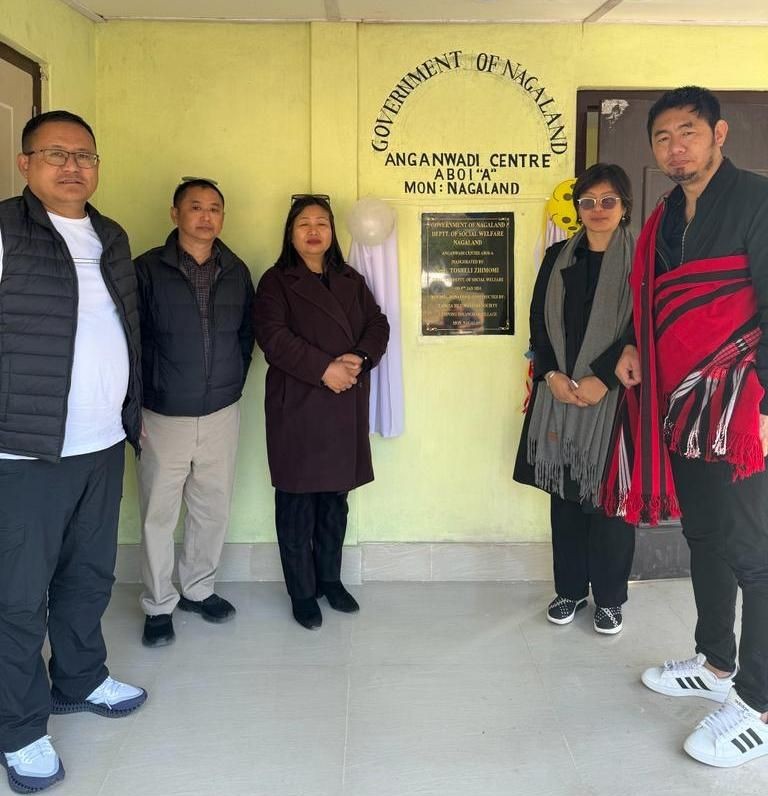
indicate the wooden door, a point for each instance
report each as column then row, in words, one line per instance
column 19, row 100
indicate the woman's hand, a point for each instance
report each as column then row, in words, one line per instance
column 563, row 389
column 591, row 390
column 339, row 376
column 352, row 361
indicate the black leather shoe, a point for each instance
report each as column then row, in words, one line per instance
column 307, row 613
column 158, row 631
column 338, row 597
column 212, row 609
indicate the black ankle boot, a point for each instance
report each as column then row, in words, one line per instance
column 307, row 613
column 338, row 597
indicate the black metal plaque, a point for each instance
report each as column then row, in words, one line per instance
column 467, row 273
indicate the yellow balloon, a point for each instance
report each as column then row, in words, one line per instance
column 560, row 207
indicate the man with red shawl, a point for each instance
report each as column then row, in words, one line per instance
column 694, row 434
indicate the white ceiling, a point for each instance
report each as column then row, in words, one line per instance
column 679, row 12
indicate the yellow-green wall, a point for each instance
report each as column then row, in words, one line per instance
column 229, row 102
column 60, row 39
column 274, row 109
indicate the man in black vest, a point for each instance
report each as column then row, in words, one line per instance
column 70, row 393
column 196, row 301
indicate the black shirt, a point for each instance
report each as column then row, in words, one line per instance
column 580, row 282
column 731, row 217
column 672, row 233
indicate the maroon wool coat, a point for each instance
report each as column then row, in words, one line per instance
column 317, row 441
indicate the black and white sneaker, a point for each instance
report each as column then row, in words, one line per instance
column 732, row 735
column 562, row 610
column 608, row 620
column 688, row 678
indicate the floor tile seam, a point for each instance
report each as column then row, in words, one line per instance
column 277, row 665
column 346, row 733
column 115, row 756
column 528, row 645
column 553, row 706
column 473, row 666
column 686, row 620
column 125, row 737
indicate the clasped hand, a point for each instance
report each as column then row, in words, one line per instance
column 588, row 392
column 342, row 373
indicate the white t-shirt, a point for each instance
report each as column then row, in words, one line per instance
column 100, row 368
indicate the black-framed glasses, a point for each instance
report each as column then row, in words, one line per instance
column 59, row 157
column 606, row 202
column 296, row 197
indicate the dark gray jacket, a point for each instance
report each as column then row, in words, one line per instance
column 176, row 379
column 38, row 322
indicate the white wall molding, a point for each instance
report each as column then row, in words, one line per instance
column 382, row 561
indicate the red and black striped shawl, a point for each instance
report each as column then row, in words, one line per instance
column 697, row 331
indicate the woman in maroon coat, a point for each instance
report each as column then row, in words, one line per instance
column 321, row 332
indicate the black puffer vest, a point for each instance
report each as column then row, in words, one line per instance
column 38, row 322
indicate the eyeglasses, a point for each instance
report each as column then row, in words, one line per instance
column 299, row 196
column 59, row 157
column 606, row 202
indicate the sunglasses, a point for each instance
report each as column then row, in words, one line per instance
column 606, row 202
column 299, row 196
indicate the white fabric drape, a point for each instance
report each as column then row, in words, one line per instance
column 379, row 265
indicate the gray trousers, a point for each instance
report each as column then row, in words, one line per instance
column 189, row 459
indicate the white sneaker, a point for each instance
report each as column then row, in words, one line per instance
column 732, row 735
column 687, row 678
column 34, row 767
column 112, row 698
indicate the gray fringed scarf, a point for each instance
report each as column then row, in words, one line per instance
column 564, row 435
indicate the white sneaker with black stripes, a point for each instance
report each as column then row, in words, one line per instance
column 732, row 735
column 687, row 678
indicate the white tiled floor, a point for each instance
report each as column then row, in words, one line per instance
column 451, row 689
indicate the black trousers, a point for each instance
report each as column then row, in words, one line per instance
column 726, row 525
column 58, row 542
column 590, row 548
column 310, row 532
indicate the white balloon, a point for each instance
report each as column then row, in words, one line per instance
column 370, row 221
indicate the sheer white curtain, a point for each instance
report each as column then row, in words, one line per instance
column 379, row 265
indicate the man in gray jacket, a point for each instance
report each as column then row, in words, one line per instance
column 197, row 335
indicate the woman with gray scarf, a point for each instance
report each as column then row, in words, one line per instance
column 580, row 311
